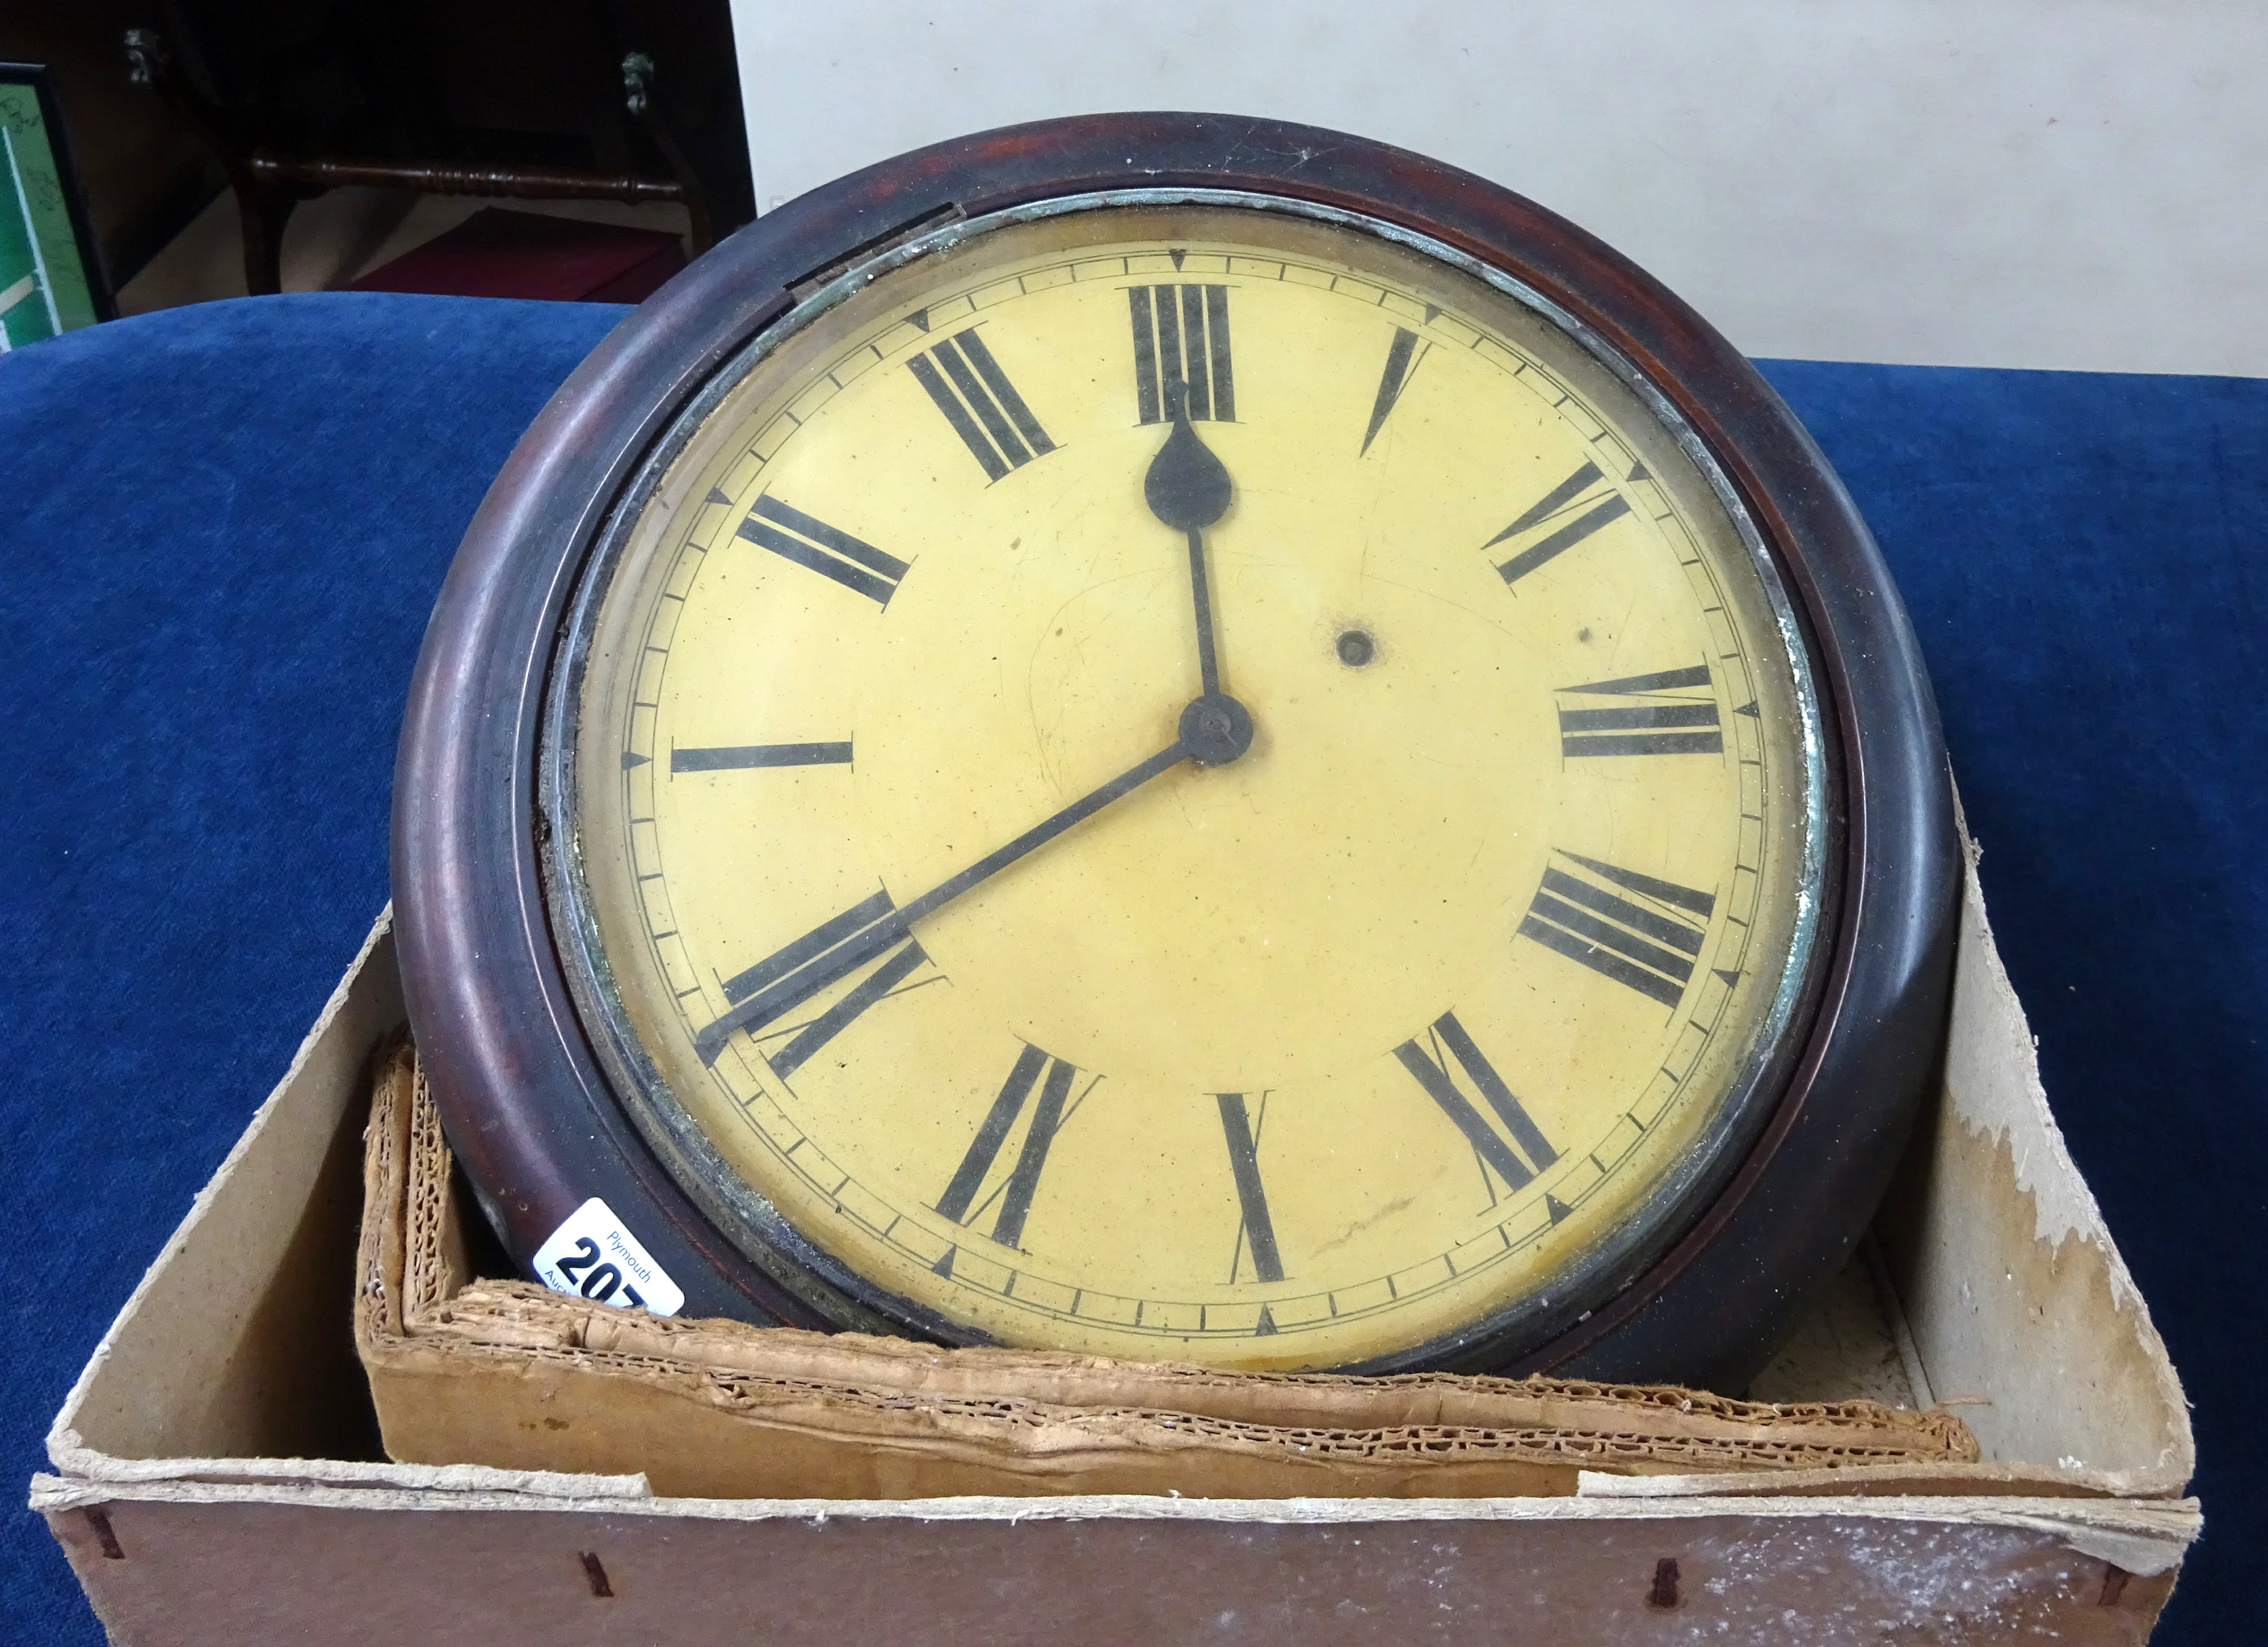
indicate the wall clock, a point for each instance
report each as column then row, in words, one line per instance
column 1186, row 738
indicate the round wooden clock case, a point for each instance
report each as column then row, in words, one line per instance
column 513, row 893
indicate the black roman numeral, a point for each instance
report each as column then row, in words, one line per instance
column 1578, row 496
column 1640, row 940
column 740, row 756
column 788, row 977
column 1015, row 1197
column 849, row 561
column 1659, row 721
column 1401, row 360
column 984, row 408
column 839, row 1017
column 1430, row 1065
column 1181, row 350
column 1257, row 1231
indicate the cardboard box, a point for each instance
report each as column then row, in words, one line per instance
column 471, row 1369
column 219, row 1476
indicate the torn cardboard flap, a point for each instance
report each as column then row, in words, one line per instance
column 2015, row 1294
column 510, row 1375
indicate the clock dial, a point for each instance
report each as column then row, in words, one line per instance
column 1189, row 782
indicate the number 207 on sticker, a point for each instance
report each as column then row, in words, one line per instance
column 591, row 1256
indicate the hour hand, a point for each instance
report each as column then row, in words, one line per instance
column 1187, row 488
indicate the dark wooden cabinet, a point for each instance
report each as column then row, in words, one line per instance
column 600, row 99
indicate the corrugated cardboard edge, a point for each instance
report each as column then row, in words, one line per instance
column 517, row 1315
column 512, row 1375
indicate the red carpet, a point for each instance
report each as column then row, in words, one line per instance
column 497, row 254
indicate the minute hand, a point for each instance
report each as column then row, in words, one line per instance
column 871, row 940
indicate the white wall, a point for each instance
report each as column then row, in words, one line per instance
column 2059, row 183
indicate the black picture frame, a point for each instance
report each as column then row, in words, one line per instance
column 42, row 191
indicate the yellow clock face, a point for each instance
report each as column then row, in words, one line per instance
column 1190, row 782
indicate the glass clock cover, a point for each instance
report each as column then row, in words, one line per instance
column 1200, row 780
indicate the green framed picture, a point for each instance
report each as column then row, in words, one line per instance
column 50, row 279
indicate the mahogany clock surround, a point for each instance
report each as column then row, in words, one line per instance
column 528, row 1108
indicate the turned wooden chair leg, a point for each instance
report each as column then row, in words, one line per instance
column 263, row 210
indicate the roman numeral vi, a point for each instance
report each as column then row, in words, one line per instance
column 1258, row 1231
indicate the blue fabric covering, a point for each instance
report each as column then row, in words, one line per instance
column 221, row 528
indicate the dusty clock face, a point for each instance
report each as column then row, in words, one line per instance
column 1419, row 981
